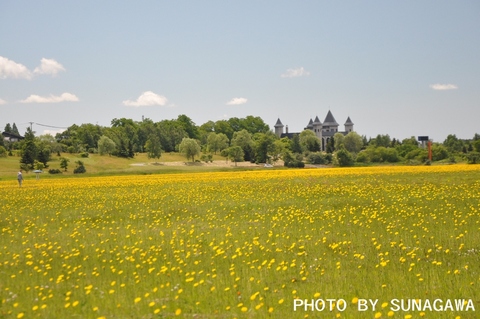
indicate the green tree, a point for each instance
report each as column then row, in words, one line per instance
column 344, row 158
column 295, row 144
column 190, row 148
column 309, row 141
column 8, row 128
column 235, row 154
column 244, row 139
column 153, row 147
column 188, row 125
column 64, row 163
column 217, row 142
column 29, row 150
column 453, row 144
column 338, row 140
column 15, row 129
column 353, row 142
column 106, row 145
column 264, row 146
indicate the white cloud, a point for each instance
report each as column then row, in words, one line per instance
column 65, row 97
column 293, row 73
column 12, row 69
column 237, row 101
column 49, row 66
column 2, row 102
column 146, row 99
column 443, row 87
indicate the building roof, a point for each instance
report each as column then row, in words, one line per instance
column 349, row 121
column 330, row 120
column 12, row 135
column 278, row 124
column 317, row 121
column 310, row 124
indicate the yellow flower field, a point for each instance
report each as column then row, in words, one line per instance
column 381, row 242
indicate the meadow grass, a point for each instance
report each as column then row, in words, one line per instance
column 240, row 244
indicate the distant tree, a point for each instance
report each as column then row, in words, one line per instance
column 244, row 139
column 264, row 146
column 216, row 142
column 295, row 144
column 344, row 158
column 43, row 155
column 353, row 142
column 64, row 163
column 80, row 169
column 29, row 150
column 8, row 128
column 439, row 152
column 339, row 140
column 153, row 147
column 382, row 140
column 15, row 129
column 224, row 127
column 188, row 125
column 476, row 145
column 330, row 145
column 453, row 144
column 190, row 148
column 235, row 154
column 106, row 146
column 309, row 141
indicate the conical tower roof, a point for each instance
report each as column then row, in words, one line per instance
column 349, row 121
column 278, row 124
column 310, row 124
column 317, row 120
column 330, row 120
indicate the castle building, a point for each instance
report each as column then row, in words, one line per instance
column 323, row 131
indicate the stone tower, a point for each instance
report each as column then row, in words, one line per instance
column 348, row 125
column 317, row 127
column 278, row 128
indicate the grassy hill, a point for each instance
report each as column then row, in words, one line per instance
column 111, row 165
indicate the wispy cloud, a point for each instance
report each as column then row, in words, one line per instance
column 293, row 73
column 65, row 97
column 2, row 102
column 146, row 99
column 12, row 69
column 237, row 101
column 49, row 67
column 443, row 87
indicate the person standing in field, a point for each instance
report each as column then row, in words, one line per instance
column 20, row 178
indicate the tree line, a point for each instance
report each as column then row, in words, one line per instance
column 237, row 139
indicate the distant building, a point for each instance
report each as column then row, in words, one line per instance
column 323, row 131
column 11, row 137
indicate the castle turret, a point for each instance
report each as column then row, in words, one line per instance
column 330, row 124
column 278, row 128
column 317, row 127
column 348, row 125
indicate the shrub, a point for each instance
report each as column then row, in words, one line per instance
column 84, row 154
column 80, row 169
column 3, row 151
column 54, row 171
column 317, row 158
column 344, row 158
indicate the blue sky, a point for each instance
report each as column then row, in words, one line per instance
column 404, row 68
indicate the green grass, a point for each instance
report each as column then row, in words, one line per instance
column 97, row 165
